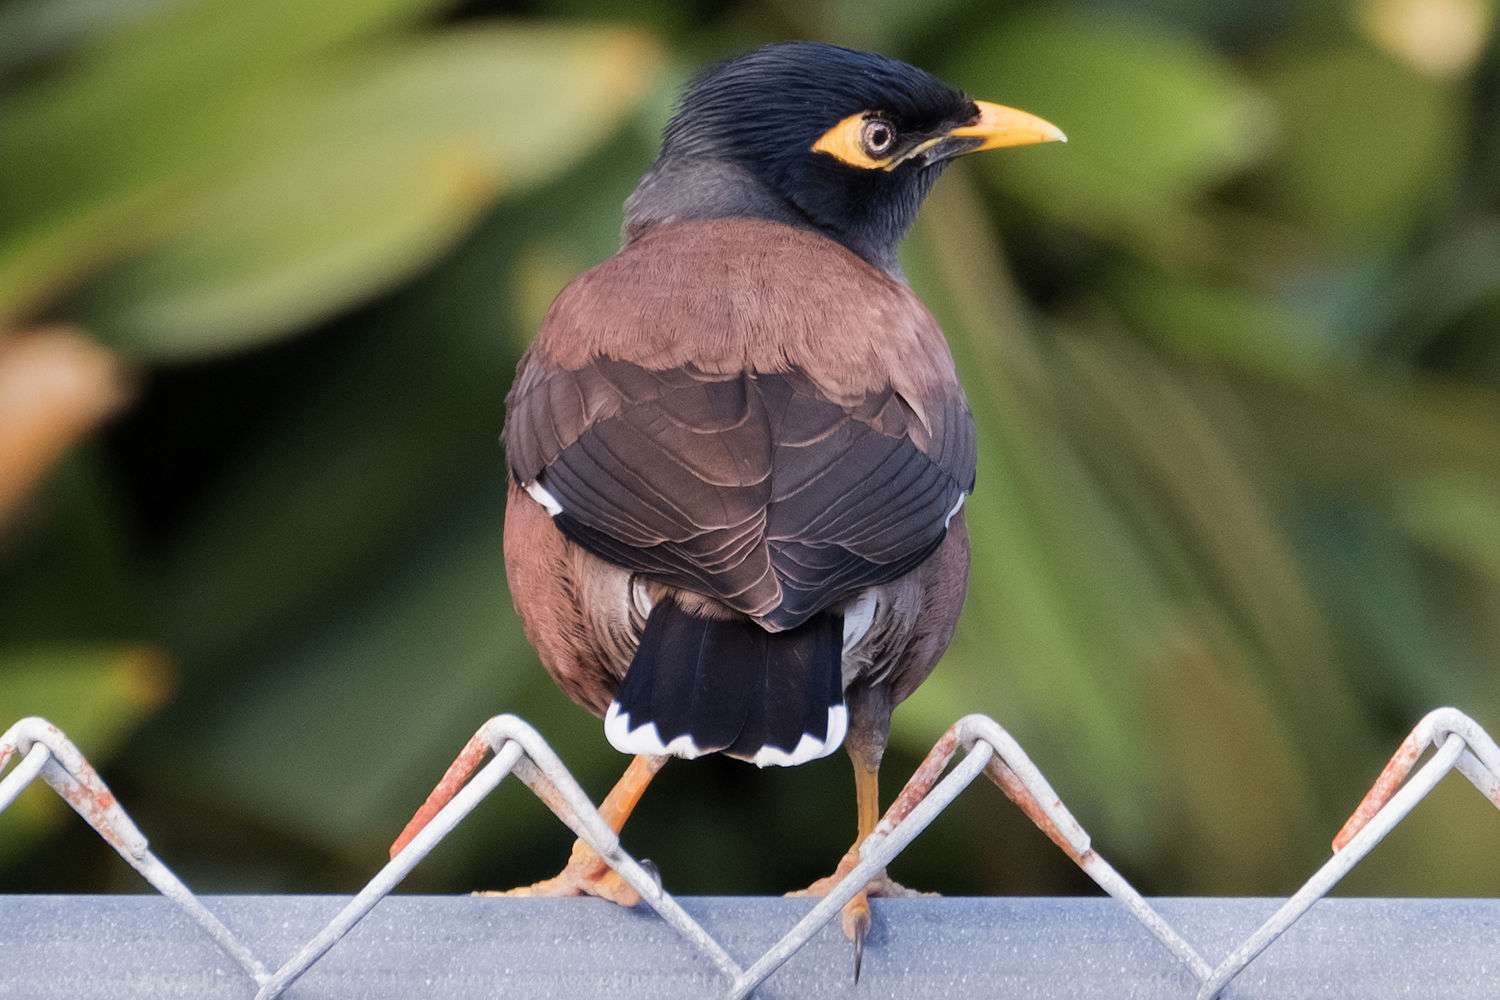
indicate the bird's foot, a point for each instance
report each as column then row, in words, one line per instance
column 881, row 886
column 855, row 918
column 585, row 874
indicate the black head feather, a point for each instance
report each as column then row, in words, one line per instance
column 759, row 115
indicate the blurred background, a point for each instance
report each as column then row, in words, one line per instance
column 266, row 269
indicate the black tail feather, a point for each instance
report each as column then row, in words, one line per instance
column 702, row 685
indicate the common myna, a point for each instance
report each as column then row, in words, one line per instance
column 738, row 449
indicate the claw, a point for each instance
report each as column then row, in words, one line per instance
column 857, row 927
column 652, row 870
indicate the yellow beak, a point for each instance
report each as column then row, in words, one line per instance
column 999, row 126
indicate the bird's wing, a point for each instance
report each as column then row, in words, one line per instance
column 860, row 494
column 778, row 486
column 664, row 472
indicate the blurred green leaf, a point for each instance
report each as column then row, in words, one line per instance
column 1360, row 431
column 65, row 567
column 37, row 29
column 1449, row 285
column 389, row 160
column 287, row 246
column 1367, row 144
column 880, row 25
column 1220, row 321
column 96, row 152
column 95, row 693
column 1461, row 519
column 1153, row 117
column 428, row 652
column 299, row 190
column 1211, row 723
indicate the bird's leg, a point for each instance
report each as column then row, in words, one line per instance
column 586, row 874
column 869, row 728
column 856, row 916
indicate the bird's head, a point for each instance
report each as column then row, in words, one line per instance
column 851, row 141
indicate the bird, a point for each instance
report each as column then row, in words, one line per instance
column 738, row 450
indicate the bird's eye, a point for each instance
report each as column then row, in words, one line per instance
column 878, row 137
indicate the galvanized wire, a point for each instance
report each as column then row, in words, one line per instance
column 74, row 778
column 1459, row 744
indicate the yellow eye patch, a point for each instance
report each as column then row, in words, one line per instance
column 844, row 142
column 868, row 140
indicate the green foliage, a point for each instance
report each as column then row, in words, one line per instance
column 1154, row 117
column 1232, row 353
column 254, row 168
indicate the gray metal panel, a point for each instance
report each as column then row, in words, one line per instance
column 411, row 947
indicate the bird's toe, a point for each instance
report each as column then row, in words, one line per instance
column 586, row 874
column 856, row 923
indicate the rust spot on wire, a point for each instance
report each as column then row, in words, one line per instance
column 1390, row 780
column 541, row 785
column 91, row 798
column 921, row 781
column 464, row 765
column 997, row 771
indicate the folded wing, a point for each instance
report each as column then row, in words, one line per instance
column 757, row 488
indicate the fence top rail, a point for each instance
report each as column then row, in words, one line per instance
column 437, row 948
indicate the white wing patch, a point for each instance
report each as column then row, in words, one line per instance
column 858, row 616
column 539, row 493
column 954, row 512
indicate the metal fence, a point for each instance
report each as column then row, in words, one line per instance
column 42, row 751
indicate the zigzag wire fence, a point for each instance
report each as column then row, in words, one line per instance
column 514, row 747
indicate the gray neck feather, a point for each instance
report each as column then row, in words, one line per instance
column 685, row 188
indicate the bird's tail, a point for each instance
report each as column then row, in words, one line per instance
column 702, row 685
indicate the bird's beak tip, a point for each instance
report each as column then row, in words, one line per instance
column 998, row 127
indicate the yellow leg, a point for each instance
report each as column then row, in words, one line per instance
column 586, row 874
column 856, row 917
